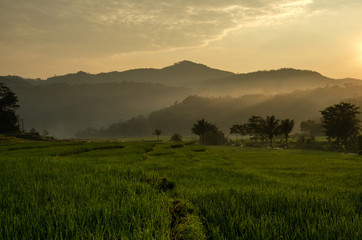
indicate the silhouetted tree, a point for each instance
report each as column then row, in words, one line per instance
column 286, row 126
column 8, row 105
column 176, row 137
column 157, row 132
column 235, row 130
column 254, row 126
column 200, row 128
column 340, row 122
column 208, row 133
column 270, row 127
column 214, row 137
column 243, row 131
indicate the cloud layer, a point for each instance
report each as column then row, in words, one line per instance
column 102, row 27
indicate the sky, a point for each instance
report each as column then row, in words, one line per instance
column 43, row 38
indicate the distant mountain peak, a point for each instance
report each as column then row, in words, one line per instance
column 82, row 73
column 186, row 64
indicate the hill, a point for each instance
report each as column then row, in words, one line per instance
column 68, row 103
column 204, row 79
column 183, row 74
column 276, row 81
column 63, row 109
column 226, row 111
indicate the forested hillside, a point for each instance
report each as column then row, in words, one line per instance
column 226, row 111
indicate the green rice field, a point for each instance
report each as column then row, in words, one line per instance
column 151, row 190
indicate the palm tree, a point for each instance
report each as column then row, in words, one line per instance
column 157, row 132
column 286, row 126
column 270, row 127
column 201, row 127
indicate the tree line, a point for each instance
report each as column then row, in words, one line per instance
column 257, row 128
column 340, row 123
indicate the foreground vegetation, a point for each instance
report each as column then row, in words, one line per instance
column 155, row 190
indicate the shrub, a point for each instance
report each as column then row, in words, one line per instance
column 176, row 138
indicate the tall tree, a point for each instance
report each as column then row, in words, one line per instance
column 254, row 126
column 8, row 105
column 209, row 134
column 200, row 128
column 270, row 127
column 341, row 122
column 158, row 133
column 235, row 130
column 243, row 130
column 286, row 126
column 8, row 99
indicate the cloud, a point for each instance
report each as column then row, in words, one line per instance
column 101, row 27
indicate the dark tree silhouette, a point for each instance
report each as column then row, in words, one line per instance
column 209, row 134
column 200, row 128
column 340, row 122
column 243, row 131
column 235, row 130
column 270, row 127
column 158, row 133
column 286, row 126
column 176, row 138
column 8, row 105
column 254, row 126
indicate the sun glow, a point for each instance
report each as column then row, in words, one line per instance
column 360, row 52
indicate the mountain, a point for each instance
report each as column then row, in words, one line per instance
column 206, row 80
column 65, row 104
column 300, row 105
column 275, row 81
column 212, row 82
column 183, row 74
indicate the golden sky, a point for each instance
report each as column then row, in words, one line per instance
column 43, row 38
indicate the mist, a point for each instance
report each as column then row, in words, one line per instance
column 171, row 98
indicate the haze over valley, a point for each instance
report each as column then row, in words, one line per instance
column 134, row 102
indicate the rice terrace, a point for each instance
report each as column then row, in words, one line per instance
column 161, row 190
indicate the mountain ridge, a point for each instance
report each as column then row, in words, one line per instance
column 190, row 74
column 65, row 104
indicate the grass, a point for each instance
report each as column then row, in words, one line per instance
column 150, row 190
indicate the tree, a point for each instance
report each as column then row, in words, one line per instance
column 270, row 127
column 254, row 126
column 235, row 130
column 243, row 130
column 286, row 126
column 8, row 106
column 158, row 133
column 214, row 137
column 341, row 122
column 176, row 138
column 208, row 133
column 200, row 128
